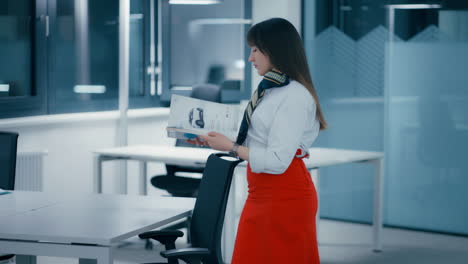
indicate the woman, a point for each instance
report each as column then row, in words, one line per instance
column 280, row 123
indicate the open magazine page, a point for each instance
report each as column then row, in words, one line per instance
column 190, row 117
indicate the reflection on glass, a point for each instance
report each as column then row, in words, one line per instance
column 395, row 84
column 207, row 49
column 85, row 50
column 137, row 48
column 15, row 48
column 427, row 136
column 89, row 89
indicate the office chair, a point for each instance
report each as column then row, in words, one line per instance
column 8, row 152
column 181, row 186
column 216, row 74
column 207, row 216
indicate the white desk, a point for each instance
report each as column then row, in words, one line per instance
column 80, row 226
column 319, row 157
column 145, row 153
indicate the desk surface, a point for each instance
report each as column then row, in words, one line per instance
column 87, row 219
column 319, row 157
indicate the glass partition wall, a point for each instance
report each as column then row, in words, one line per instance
column 207, row 45
column 426, row 120
column 391, row 76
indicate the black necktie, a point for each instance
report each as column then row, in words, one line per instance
column 271, row 79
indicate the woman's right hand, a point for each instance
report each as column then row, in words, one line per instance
column 197, row 141
column 217, row 141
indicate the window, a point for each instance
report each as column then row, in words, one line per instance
column 62, row 56
column 16, row 43
column 69, row 51
column 22, row 61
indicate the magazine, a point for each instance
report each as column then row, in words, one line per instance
column 190, row 117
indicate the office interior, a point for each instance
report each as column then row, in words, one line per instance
column 390, row 74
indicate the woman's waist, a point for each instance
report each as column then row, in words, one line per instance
column 280, row 182
column 296, row 172
column 287, row 193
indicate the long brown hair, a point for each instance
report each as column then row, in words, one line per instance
column 279, row 40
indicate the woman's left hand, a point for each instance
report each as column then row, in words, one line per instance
column 218, row 141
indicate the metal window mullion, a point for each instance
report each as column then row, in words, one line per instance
column 152, row 59
column 160, row 50
column 124, row 43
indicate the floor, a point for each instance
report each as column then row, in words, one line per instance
column 339, row 242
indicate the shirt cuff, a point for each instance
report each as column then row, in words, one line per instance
column 257, row 159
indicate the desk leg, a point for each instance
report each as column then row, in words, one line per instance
column 97, row 173
column 87, row 261
column 314, row 173
column 104, row 257
column 24, row 259
column 378, row 197
column 123, row 186
column 95, row 261
column 143, row 178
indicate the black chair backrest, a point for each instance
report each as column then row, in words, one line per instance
column 206, row 91
column 8, row 151
column 216, row 74
column 210, row 207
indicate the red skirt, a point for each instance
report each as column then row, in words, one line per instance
column 277, row 224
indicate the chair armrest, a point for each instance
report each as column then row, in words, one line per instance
column 161, row 233
column 6, row 257
column 165, row 237
column 189, row 255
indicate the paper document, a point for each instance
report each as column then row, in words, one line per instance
column 190, row 117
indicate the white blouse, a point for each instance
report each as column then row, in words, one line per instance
column 282, row 122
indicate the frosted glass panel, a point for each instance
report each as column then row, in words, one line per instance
column 426, row 138
column 349, row 76
column 399, row 88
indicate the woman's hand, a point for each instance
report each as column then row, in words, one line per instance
column 197, row 141
column 217, row 141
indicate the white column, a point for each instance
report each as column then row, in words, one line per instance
column 265, row 9
column 124, row 43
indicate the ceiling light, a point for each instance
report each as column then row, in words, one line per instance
column 4, row 87
column 90, row 89
column 194, row 2
column 414, row 6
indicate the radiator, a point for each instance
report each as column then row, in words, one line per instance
column 30, row 170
